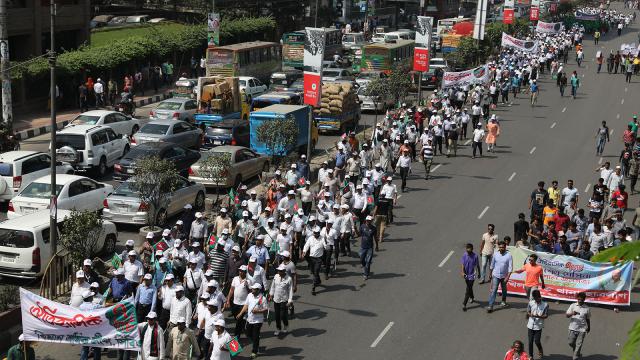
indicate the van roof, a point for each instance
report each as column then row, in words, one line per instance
column 280, row 108
column 34, row 221
column 11, row 156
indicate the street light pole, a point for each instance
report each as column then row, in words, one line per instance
column 53, row 232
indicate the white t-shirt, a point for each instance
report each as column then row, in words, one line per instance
column 240, row 290
column 255, row 302
column 478, row 135
column 569, row 194
column 133, row 270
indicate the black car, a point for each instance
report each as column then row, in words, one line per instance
column 432, row 78
column 180, row 156
column 226, row 132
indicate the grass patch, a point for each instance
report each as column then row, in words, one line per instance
column 106, row 36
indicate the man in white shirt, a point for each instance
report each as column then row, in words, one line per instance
column 192, row 280
column 314, row 248
column 569, row 193
column 253, row 204
column 133, row 270
column 359, row 203
column 237, row 296
column 180, row 308
column 281, row 293
column 78, row 288
column 537, row 311
column 478, row 136
column 286, row 204
column 329, row 235
column 404, row 164
column 98, row 88
column 166, row 295
column 347, row 228
column 196, row 255
column 152, row 337
column 579, row 324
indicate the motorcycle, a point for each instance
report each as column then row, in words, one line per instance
column 126, row 105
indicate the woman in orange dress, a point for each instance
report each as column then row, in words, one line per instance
column 493, row 131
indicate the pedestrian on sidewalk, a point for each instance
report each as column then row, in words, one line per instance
column 98, row 88
column 156, row 76
column 478, row 136
column 83, row 94
column 138, row 82
column 470, row 268
column 579, row 324
column 537, row 311
column 501, row 268
column 255, row 308
column 404, row 164
column 113, row 92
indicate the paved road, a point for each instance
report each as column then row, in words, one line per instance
column 411, row 306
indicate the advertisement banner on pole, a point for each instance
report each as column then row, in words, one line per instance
column 113, row 327
column 313, row 55
column 534, row 14
column 507, row 16
column 481, row 20
column 423, row 43
column 524, row 45
column 213, row 29
column 548, row 28
column 566, row 276
column 479, row 75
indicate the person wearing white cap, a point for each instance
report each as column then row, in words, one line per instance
column 22, row 350
column 347, row 229
column 352, row 167
column 284, row 240
column 166, row 293
column 88, row 305
column 129, row 245
column 359, row 203
column 331, row 237
column 202, row 310
column 281, row 293
column 297, row 223
column 199, row 229
column 291, row 177
column 215, row 293
column 242, row 229
column 404, row 165
column 287, row 204
column 385, row 154
column 178, row 231
column 254, row 205
column 260, row 251
column 145, row 299
column 255, row 307
column 331, row 182
column 80, row 286
column 256, row 273
column 119, row 287
column 178, row 258
column 368, row 234
column 206, row 327
column 187, row 217
column 237, row 297
column 219, row 340
column 182, row 343
column 192, row 280
column 323, row 174
column 180, row 308
column 133, row 269
column 152, row 338
column 222, row 221
column 315, row 247
column 196, row 255
column 89, row 274
column 168, row 238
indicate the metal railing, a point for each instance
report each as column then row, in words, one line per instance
column 58, row 276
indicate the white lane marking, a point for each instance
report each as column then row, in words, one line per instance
column 622, row 102
column 468, row 142
column 618, row 116
column 611, row 132
column 512, row 176
column 599, row 161
column 582, row 75
column 625, row 89
column 445, row 259
column 382, row 334
column 436, row 167
column 532, row 150
column 483, row 212
column 553, row 125
column 587, row 188
column 399, row 196
column 565, row 109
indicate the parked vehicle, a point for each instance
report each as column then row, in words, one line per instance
column 346, row 118
column 175, row 109
column 137, row 19
column 301, row 116
column 257, row 59
column 73, row 192
column 227, row 132
column 185, row 89
column 439, row 63
column 251, row 86
column 293, row 46
column 282, row 80
column 384, row 57
column 125, row 206
column 157, row 20
column 179, row 132
column 276, row 97
column 365, row 76
column 179, row 155
column 120, row 123
column 378, row 38
column 337, row 74
column 100, row 21
column 90, row 147
column 373, row 102
column 245, row 164
column 117, row 21
column 431, row 79
column 352, row 40
column 210, row 110
column 25, row 246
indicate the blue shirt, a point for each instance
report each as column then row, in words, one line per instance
column 341, row 158
column 120, row 289
column 534, row 87
column 302, row 169
column 469, row 264
column 146, row 295
column 159, row 275
column 261, row 254
column 367, row 234
column 501, row 265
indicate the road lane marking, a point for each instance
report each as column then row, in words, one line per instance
column 618, row 116
column 382, row 334
column 483, row 212
column 553, row 125
column 599, row 161
column 587, row 188
column 625, row 89
column 582, row 75
column 611, row 132
column 512, row 176
column 532, row 150
column 622, row 102
column 445, row 259
column 468, row 142
column 565, row 109
column 436, row 167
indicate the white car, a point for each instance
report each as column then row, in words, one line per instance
column 19, row 168
column 378, row 38
column 439, row 63
column 251, row 86
column 91, row 147
column 74, row 192
column 119, row 122
column 375, row 103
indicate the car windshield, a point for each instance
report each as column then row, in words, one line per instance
column 16, row 238
column 331, row 73
column 437, row 62
column 86, row 120
column 349, row 38
column 125, row 189
column 141, row 151
column 392, row 37
column 169, row 105
column 154, row 129
column 73, row 141
column 39, row 190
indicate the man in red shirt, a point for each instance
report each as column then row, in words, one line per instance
column 619, row 198
column 534, row 276
column 561, row 220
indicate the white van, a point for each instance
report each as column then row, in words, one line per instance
column 25, row 246
column 397, row 35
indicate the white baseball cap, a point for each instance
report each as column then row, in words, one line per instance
column 198, row 215
column 195, row 244
column 149, row 235
column 212, row 302
column 130, row 242
column 179, row 222
column 243, row 268
column 188, row 206
column 236, row 248
column 219, row 322
column 285, row 253
column 87, row 294
column 132, row 253
column 120, row 271
column 213, row 283
column 281, row 267
column 86, row 262
column 179, row 288
column 79, row 274
column 166, row 232
column 152, row 315
column 225, row 230
column 163, row 260
column 147, row 276
column 256, row 286
column 169, row 277
column 253, row 259
column 94, row 285
column 208, row 273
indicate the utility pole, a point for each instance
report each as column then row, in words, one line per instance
column 315, row 16
column 7, row 107
column 53, row 204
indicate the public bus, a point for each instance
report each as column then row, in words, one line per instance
column 259, row 59
column 445, row 25
column 293, row 47
column 383, row 57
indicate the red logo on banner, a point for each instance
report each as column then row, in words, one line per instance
column 535, row 13
column 312, row 86
column 420, row 59
column 507, row 16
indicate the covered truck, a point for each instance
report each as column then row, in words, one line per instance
column 339, row 109
column 219, row 98
column 300, row 113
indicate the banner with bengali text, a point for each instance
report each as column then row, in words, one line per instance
column 479, row 75
column 566, row 276
column 548, row 28
column 423, row 43
column 524, row 45
column 48, row 321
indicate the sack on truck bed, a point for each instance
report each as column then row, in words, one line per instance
column 335, row 110
column 324, row 105
column 325, row 111
column 336, row 103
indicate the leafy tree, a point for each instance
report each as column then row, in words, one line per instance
column 378, row 90
column 279, row 136
column 629, row 251
column 154, row 181
column 215, row 168
column 398, row 82
column 80, row 235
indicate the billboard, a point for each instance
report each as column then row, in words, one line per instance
column 423, row 43
column 507, row 16
column 213, row 29
column 314, row 44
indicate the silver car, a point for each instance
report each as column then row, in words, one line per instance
column 124, row 205
column 245, row 164
column 174, row 109
column 368, row 103
column 333, row 74
column 179, row 132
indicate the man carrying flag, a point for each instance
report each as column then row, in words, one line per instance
column 255, row 307
column 222, row 344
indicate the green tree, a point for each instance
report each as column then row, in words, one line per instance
column 81, row 234
column 629, row 251
column 215, row 167
column 279, row 135
column 154, row 181
column 398, row 82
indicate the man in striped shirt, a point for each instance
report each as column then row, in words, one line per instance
column 427, row 157
column 218, row 261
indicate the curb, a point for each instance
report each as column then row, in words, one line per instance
column 33, row 132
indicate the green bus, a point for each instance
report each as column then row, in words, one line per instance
column 293, row 47
column 383, row 57
column 256, row 58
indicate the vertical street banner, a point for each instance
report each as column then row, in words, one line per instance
column 566, row 276
column 507, row 16
column 534, row 15
column 313, row 54
column 112, row 327
column 481, row 20
column 423, row 43
column 213, row 29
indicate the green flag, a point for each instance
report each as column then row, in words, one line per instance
column 234, row 346
column 115, row 261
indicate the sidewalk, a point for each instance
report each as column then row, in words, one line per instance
column 30, row 124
